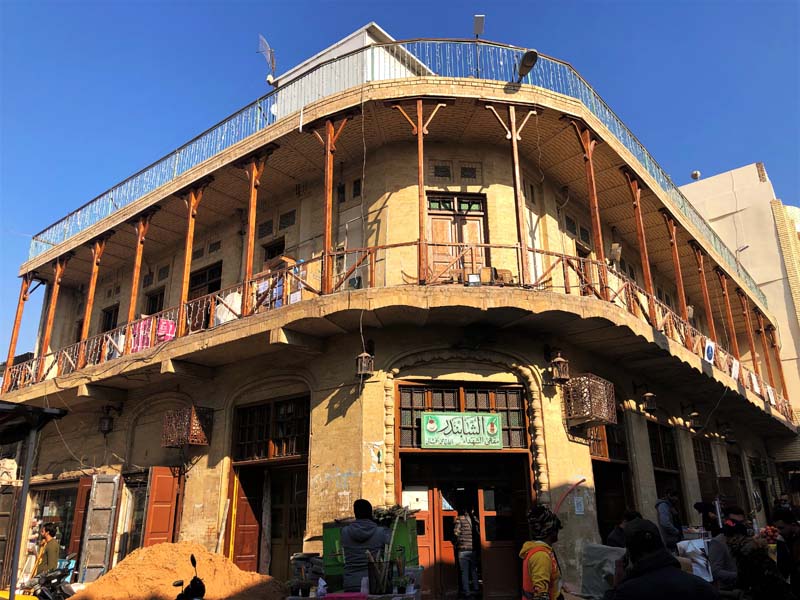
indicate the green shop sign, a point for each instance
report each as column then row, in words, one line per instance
column 462, row 431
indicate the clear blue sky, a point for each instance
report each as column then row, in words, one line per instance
column 91, row 92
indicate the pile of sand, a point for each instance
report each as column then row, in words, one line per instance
column 148, row 573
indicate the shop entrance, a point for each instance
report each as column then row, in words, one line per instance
column 269, row 518
column 494, row 486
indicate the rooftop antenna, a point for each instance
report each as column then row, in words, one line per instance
column 269, row 55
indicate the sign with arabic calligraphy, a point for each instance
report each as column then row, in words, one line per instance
column 462, row 431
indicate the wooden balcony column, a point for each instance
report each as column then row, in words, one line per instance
column 419, row 128
column 59, row 266
column 723, row 284
column 141, row 224
column 192, row 196
column 588, row 141
column 699, row 256
column 636, row 197
column 749, row 326
column 24, row 294
column 514, row 133
column 672, row 231
column 329, row 144
column 98, row 246
column 762, row 332
column 254, row 168
column 776, row 351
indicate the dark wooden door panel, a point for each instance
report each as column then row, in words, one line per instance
column 79, row 519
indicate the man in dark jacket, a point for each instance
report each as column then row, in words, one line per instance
column 669, row 521
column 359, row 537
column 617, row 536
column 656, row 574
column 720, row 558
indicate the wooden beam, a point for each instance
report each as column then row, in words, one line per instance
column 676, row 264
column 98, row 247
column 723, row 283
column 588, row 142
column 59, row 265
column 192, row 197
column 699, row 256
column 519, row 198
column 636, row 198
column 295, row 340
column 254, row 168
column 12, row 346
column 327, row 236
column 749, row 326
column 102, row 393
column 777, row 353
column 181, row 368
column 764, row 346
column 141, row 225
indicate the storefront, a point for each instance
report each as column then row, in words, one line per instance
column 465, row 447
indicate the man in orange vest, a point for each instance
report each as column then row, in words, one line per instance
column 541, row 574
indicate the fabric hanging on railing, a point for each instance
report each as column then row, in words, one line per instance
column 165, row 330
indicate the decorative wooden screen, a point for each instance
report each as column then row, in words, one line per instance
column 274, row 429
column 589, row 400
column 505, row 400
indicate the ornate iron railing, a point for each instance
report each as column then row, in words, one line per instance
column 397, row 60
column 459, row 264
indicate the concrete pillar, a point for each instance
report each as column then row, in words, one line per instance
column 689, row 477
column 643, row 478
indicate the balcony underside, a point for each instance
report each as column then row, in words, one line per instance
column 294, row 334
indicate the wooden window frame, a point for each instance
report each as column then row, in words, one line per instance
column 272, row 440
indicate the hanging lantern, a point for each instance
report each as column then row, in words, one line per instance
column 559, row 368
column 106, row 424
column 649, row 401
column 365, row 364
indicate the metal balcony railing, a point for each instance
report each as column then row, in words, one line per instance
column 449, row 264
column 396, row 60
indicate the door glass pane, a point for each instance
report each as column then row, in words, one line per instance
column 499, row 528
column 497, row 499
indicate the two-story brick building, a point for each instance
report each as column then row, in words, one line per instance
column 398, row 230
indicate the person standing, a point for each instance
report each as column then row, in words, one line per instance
column 466, row 531
column 669, row 521
column 48, row 553
column 784, row 521
column 721, row 560
column 359, row 537
column 541, row 573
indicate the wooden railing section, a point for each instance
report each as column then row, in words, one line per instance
column 367, row 268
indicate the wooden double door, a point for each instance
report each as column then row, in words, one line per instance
column 268, row 518
column 495, row 488
column 457, row 234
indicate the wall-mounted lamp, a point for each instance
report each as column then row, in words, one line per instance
column 106, row 423
column 526, row 63
column 365, row 365
column 649, row 401
column 691, row 415
column 559, row 368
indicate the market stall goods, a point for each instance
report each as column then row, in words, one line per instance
column 148, row 573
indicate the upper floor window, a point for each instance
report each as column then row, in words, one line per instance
column 357, row 188
column 454, row 203
column 287, row 219
column 108, row 318
column 154, row 302
column 163, row 273
column 571, row 225
column 662, row 446
column 264, row 228
column 274, row 429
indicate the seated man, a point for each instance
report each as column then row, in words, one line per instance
column 721, row 561
column 359, row 537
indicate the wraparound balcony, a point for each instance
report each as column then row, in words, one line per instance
column 552, row 274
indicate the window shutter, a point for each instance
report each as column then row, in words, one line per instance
column 99, row 529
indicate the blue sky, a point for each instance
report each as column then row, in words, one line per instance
column 91, row 92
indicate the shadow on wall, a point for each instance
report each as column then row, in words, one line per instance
column 342, row 400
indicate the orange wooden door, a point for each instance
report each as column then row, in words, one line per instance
column 248, row 490
column 442, row 251
column 162, row 506
column 426, row 546
column 500, row 563
column 446, row 556
column 472, row 233
column 79, row 517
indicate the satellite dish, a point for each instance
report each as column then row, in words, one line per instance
column 269, row 56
